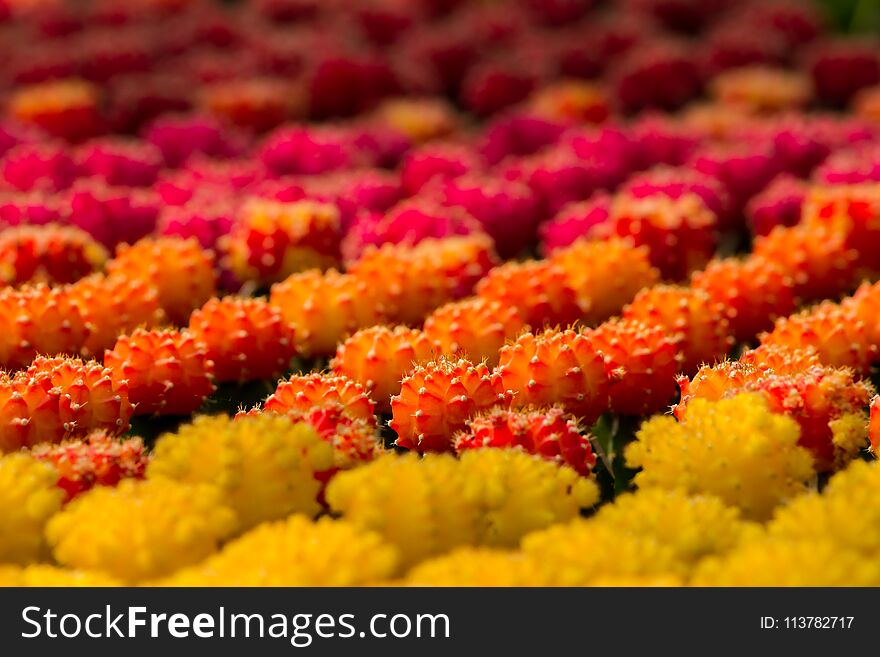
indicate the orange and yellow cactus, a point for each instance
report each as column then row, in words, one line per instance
column 556, row 367
column 324, row 308
column 538, row 289
column 549, row 433
column 474, row 328
column 818, row 259
column 247, row 339
column 380, row 357
column 617, row 271
column 838, row 337
column 113, row 305
column 273, row 240
column 168, row 372
column 437, row 399
column 829, row 404
column 751, row 292
column 181, row 271
column 99, row 459
column 303, row 393
column 51, row 254
column 693, row 320
column 642, row 361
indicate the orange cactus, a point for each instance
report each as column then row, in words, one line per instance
column 853, row 210
column 39, row 319
column 865, row 304
column 642, row 361
column 818, row 259
column 180, row 270
column 680, row 233
column 324, row 308
column 437, row 399
column 420, row 119
column 59, row 398
column 474, row 328
column 556, row 367
column 99, row 459
column 246, row 338
column 691, row 318
column 762, row 89
column 273, row 240
column 874, row 425
column 168, row 372
column 716, row 382
column 378, row 358
column 113, row 305
column 538, row 289
column 302, row 393
column 354, row 439
column 63, row 108
column 780, row 358
column 407, row 282
column 550, row 433
column 617, row 271
column 571, row 101
column 838, row 336
column 751, row 292
column 48, row 254
column 829, row 404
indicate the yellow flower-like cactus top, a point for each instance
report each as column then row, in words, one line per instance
column 28, row 498
column 845, row 514
column 428, row 506
column 735, row 449
column 296, row 552
column 264, row 465
column 140, row 529
column 46, row 575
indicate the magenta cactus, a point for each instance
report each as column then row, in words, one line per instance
column 518, row 134
column 777, row 205
column 435, row 161
column 509, row 211
column 112, row 215
column 674, row 182
column 206, row 219
column 574, row 221
column 182, row 136
column 45, row 166
column 409, row 222
column 120, row 162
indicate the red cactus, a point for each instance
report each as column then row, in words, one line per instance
column 48, row 254
column 247, row 339
column 168, row 372
column 180, row 270
column 437, row 399
column 680, row 233
column 556, row 367
column 692, row 319
column 379, row 357
column 97, row 460
column 273, row 240
column 641, row 360
column 549, row 433
column 751, row 292
column 302, row 393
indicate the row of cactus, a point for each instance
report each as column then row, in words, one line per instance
column 536, row 294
